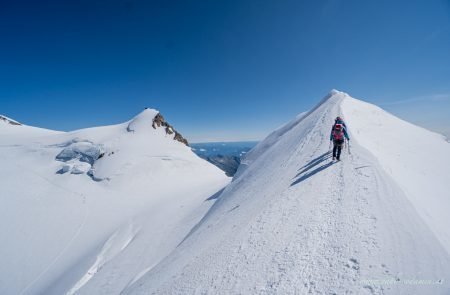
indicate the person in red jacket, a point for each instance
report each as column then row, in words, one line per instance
column 338, row 135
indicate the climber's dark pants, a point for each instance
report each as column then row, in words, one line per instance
column 337, row 148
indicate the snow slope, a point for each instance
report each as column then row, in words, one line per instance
column 87, row 211
column 294, row 222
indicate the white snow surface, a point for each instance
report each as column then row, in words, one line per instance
column 294, row 222
column 75, row 233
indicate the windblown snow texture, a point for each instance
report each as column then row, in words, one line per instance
column 294, row 222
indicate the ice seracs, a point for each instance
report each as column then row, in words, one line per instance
column 79, row 156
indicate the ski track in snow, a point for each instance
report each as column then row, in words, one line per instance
column 72, row 239
column 115, row 244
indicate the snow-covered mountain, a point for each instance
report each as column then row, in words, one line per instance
column 294, row 222
column 121, row 210
column 88, row 211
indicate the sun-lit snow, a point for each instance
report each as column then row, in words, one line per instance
column 134, row 214
column 418, row 160
column 294, row 222
column 75, row 206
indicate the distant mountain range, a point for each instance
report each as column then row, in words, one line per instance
column 225, row 155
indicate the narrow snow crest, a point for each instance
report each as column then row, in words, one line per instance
column 295, row 221
column 328, row 101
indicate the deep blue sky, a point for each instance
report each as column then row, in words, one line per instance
column 221, row 70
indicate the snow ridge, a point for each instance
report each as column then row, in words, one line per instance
column 294, row 222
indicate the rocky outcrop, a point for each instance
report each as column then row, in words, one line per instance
column 9, row 121
column 159, row 121
column 180, row 138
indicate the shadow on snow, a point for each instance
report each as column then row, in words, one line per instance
column 306, row 171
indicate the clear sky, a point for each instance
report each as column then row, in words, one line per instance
column 221, row 70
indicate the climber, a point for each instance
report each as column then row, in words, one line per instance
column 338, row 135
column 339, row 120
